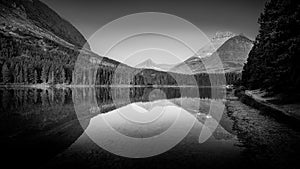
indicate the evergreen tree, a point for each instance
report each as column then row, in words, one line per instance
column 44, row 76
column 63, row 75
column 19, row 72
column 25, row 74
column 51, row 76
column 272, row 62
column 20, row 76
column 30, row 75
column 16, row 73
column 35, row 77
column 73, row 77
column 6, row 74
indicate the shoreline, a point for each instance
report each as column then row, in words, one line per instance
column 254, row 100
column 46, row 86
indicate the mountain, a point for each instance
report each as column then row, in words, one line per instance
column 37, row 47
column 217, row 41
column 232, row 56
column 235, row 50
column 34, row 18
column 149, row 64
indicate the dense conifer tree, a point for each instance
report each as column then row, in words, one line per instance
column 6, row 75
column 273, row 61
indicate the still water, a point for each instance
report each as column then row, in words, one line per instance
column 103, row 127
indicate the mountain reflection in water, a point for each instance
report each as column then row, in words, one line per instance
column 39, row 124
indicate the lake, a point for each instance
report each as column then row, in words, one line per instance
column 112, row 127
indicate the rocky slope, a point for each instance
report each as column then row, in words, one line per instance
column 231, row 55
column 217, row 41
column 34, row 18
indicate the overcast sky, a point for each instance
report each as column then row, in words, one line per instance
column 237, row 16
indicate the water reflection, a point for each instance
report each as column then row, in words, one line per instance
column 51, row 107
column 105, row 99
column 44, row 122
column 146, row 129
column 111, row 133
column 36, row 124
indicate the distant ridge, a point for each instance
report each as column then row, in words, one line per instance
column 149, row 64
column 233, row 54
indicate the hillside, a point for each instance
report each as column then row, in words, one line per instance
column 38, row 46
column 34, row 18
column 216, row 41
column 233, row 55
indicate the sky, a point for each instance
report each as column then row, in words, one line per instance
column 210, row 16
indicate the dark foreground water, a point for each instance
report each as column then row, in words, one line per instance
column 76, row 128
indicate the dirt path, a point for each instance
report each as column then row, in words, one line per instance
column 268, row 143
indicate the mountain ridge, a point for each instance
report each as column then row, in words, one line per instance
column 231, row 55
column 35, row 17
column 215, row 42
column 150, row 64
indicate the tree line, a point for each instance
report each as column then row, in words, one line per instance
column 273, row 61
column 34, row 61
column 23, row 61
